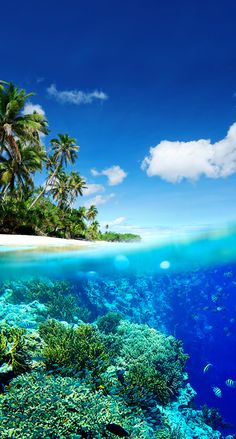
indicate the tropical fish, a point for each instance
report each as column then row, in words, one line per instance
column 214, row 298
column 207, row 367
column 230, row 383
column 217, row 391
column 118, row 430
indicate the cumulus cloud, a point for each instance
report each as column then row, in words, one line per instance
column 114, row 174
column 99, row 199
column 175, row 161
column 30, row 108
column 76, row 97
column 92, row 188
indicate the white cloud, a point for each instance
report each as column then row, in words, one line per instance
column 99, row 199
column 116, row 222
column 30, row 108
column 114, row 174
column 94, row 172
column 93, row 188
column 175, row 161
column 76, row 97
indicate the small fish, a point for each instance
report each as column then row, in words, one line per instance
column 118, row 430
column 214, row 298
column 207, row 367
column 217, row 391
column 230, row 383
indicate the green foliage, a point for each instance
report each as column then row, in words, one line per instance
column 119, row 237
column 44, row 406
column 73, row 349
column 25, row 209
column 109, row 322
column 13, row 349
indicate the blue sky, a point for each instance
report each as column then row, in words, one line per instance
column 122, row 77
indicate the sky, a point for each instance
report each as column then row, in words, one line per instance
column 148, row 89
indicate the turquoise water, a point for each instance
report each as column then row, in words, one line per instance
column 184, row 288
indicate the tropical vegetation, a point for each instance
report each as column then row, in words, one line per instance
column 48, row 209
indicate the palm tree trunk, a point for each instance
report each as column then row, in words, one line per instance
column 48, row 182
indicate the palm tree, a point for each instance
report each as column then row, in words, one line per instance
column 60, row 190
column 77, row 184
column 17, row 175
column 65, row 188
column 92, row 213
column 16, row 126
column 93, row 230
column 65, row 151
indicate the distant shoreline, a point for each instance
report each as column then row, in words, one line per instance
column 44, row 241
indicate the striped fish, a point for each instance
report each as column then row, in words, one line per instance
column 230, row 383
column 217, row 391
column 207, row 367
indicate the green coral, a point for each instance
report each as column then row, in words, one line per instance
column 13, row 349
column 145, row 379
column 109, row 322
column 154, row 362
column 169, row 433
column 42, row 406
column 163, row 433
column 73, row 349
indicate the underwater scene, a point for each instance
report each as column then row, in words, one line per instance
column 119, row 340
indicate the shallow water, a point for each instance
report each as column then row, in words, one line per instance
column 184, row 288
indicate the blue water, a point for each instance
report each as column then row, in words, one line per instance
column 184, row 288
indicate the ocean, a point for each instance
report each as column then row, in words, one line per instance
column 183, row 288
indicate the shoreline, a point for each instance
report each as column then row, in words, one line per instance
column 26, row 241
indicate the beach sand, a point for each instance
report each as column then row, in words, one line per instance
column 43, row 241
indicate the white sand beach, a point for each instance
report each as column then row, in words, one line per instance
column 43, row 241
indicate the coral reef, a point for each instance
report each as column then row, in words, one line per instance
column 45, row 406
column 70, row 380
column 154, row 361
column 109, row 322
column 74, row 349
column 24, row 315
column 57, row 298
column 14, row 356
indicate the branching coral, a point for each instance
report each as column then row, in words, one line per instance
column 13, row 350
column 42, row 406
column 74, row 349
column 154, row 362
column 109, row 322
